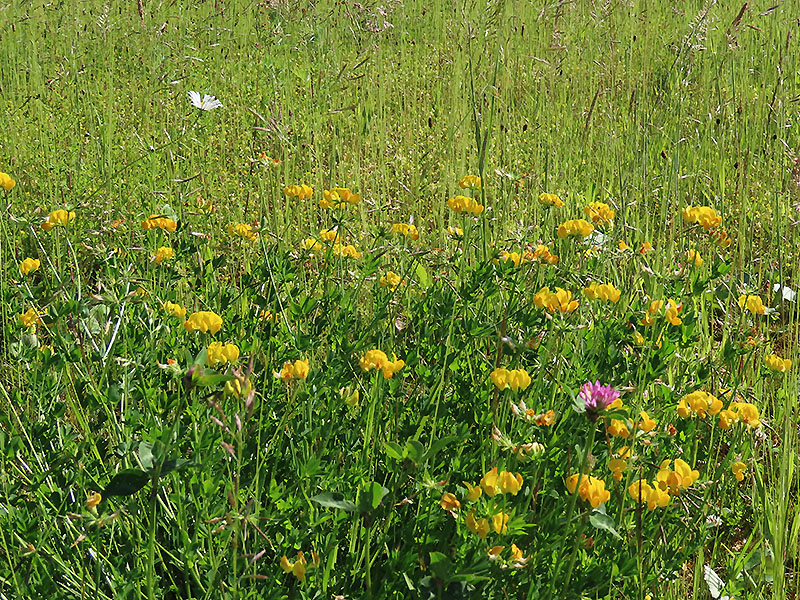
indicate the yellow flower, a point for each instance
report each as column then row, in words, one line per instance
column 29, row 265
column 776, row 363
column 312, row 245
column 542, row 254
column 623, row 246
column 641, row 491
column 377, row 359
column 297, row 370
column 509, row 483
column 470, row 181
column 694, row 257
column 219, row 353
column 94, row 498
column 558, row 301
column 579, row 227
column 449, row 502
column 638, row 339
column 473, row 491
column 6, row 182
column 671, row 313
column 674, row 482
column 162, row 254
column 550, row 200
column 297, row 567
column 30, row 318
column 348, row 251
column 500, row 522
column 599, row 212
column 301, row 192
column 699, row 403
column 174, row 310
column 480, row 527
column 159, row 222
column 58, row 217
column 738, row 469
column 237, row 389
column 205, row 321
column 646, row 424
column 494, row 552
column 512, row 257
column 338, row 198
column 517, row 379
column 705, row 216
column 591, row 489
column 391, row 280
column 243, row 230
column 752, row 303
column 462, row 204
column 645, row 248
column 604, row 291
column 617, row 466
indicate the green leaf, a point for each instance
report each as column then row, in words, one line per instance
column 600, row 520
column 440, row 566
column 422, row 276
column 126, row 483
column 393, row 450
column 414, row 451
column 437, row 446
column 334, row 500
column 212, row 380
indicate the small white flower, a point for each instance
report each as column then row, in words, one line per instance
column 208, row 102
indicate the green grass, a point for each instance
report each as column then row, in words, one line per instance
column 644, row 106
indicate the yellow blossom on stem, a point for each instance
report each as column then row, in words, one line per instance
column 579, row 227
column 449, row 502
column 517, row 379
column 462, row 204
column 705, row 216
column 480, row 527
column 29, row 265
column 694, row 257
column 94, row 498
column 377, row 359
column 391, row 280
column 754, row 304
column 738, row 468
column 205, row 321
column 173, row 310
column 6, row 182
column 591, row 489
column 220, row 354
column 617, row 466
column 243, row 230
column 500, row 522
column 599, row 212
column 58, row 217
column 470, row 181
column 299, row 192
column 30, row 318
column 645, row 248
column 162, row 254
column 338, row 197
column 603, row 291
column 776, row 363
column 159, row 222
column 473, row 491
column 550, row 200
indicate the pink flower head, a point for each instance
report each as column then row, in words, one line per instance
column 596, row 396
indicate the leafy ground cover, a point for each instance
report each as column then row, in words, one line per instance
column 399, row 300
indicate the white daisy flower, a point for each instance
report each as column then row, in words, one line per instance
column 208, row 102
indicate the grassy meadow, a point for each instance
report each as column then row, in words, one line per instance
column 440, row 300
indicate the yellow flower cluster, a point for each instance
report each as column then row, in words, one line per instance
column 740, row 412
column 205, row 321
column 330, row 235
column 575, row 227
column 6, row 182
column 243, row 230
column 297, row 370
column 391, row 280
column 173, row 310
column 705, row 216
column 159, row 222
column 516, row 559
column 512, row 257
column 455, row 232
column 550, row 200
column 591, row 489
column 404, row 229
column 58, row 217
column 300, row 565
column 162, row 254
column 558, row 301
column 300, row 192
column 678, row 480
column 654, row 496
column 30, row 318
column 516, row 379
column 599, row 212
column 219, row 353
column 377, row 359
column 603, row 291
column 505, row 482
column 699, row 403
column 481, row 527
column 670, row 314
column 470, row 181
column 348, row 251
column 338, row 198
column 542, row 254
column 720, row 237
column 461, row 204
column 694, row 257
column 738, row 468
column 29, row 265
column 776, row 363
column 752, row 303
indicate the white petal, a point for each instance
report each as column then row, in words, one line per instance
column 194, row 97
